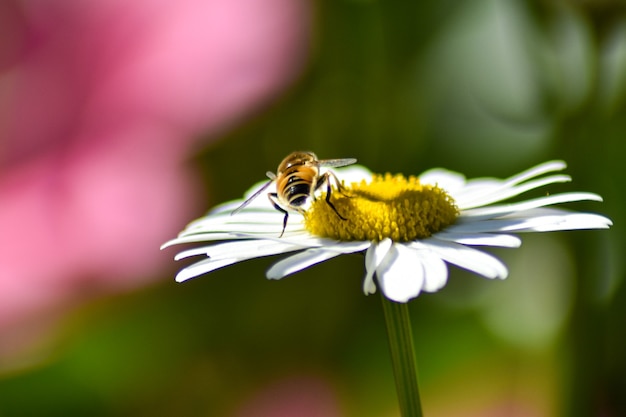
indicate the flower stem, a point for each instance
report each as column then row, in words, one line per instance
column 402, row 356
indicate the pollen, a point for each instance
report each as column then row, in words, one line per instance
column 388, row 206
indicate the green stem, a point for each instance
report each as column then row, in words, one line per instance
column 402, row 356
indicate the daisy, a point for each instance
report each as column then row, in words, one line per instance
column 408, row 227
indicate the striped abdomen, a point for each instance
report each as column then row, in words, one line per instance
column 294, row 186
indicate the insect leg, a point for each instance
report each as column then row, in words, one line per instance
column 337, row 182
column 273, row 197
column 326, row 179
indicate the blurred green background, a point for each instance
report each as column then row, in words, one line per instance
column 485, row 87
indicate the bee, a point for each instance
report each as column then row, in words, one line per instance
column 297, row 179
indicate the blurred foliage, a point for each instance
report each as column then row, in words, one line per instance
column 486, row 88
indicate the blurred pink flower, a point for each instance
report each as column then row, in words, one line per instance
column 302, row 396
column 100, row 103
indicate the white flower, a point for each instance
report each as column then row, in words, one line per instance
column 408, row 227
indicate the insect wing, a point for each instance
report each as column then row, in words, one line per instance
column 253, row 196
column 336, row 162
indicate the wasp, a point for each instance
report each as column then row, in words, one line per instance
column 297, row 179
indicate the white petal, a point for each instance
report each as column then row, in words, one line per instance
column 328, row 249
column 400, row 274
column 263, row 215
column 184, row 237
column 490, row 195
column 192, row 252
column 550, row 166
column 305, row 240
column 203, row 267
column 204, row 237
column 568, row 221
column 473, row 189
column 480, row 239
column 309, row 240
column 448, row 180
column 505, row 209
column 373, row 257
column 525, row 220
column 535, row 220
column 291, row 235
column 229, row 253
column 465, row 257
column 435, row 270
column 478, row 187
column 344, row 247
column 248, row 249
column 245, row 221
column 299, row 261
column 487, row 226
column 534, row 172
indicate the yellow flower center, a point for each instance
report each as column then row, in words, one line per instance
column 390, row 206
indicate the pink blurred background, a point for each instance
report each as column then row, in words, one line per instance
column 100, row 104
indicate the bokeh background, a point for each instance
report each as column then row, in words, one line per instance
column 122, row 121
